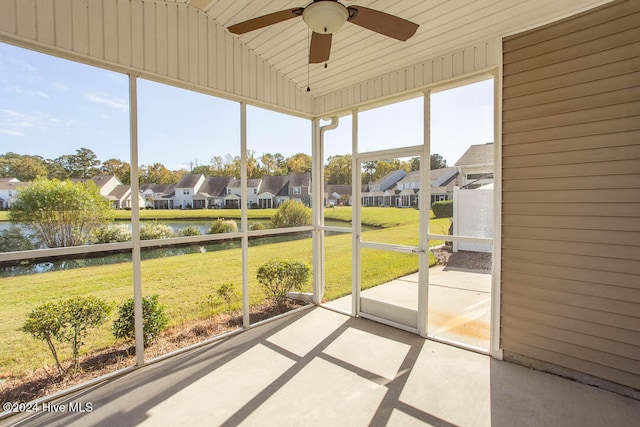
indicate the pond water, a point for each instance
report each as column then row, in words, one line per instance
column 114, row 258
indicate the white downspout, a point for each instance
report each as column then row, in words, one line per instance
column 318, row 207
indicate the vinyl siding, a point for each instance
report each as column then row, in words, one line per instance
column 571, row 194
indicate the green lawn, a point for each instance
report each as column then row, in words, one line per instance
column 183, row 282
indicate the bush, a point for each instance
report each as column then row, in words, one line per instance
column 257, row 226
column 155, row 230
column 223, row 226
column 291, row 214
column 66, row 321
column 443, row 209
column 278, row 277
column 191, row 230
column 153, row 320
column 13, row 239
column 111, row 234
column 227, row 292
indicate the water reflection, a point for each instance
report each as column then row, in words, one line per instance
column 58, row 264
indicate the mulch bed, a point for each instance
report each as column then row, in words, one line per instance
column 46, row 380
column 463, row 259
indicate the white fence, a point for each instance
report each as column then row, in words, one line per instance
column 473, row 216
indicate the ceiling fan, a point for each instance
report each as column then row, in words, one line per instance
column 324, row 17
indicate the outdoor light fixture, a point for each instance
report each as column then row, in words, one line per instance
column 325, row 17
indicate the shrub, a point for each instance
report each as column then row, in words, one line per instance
column 155, row 230
column 256, row 226
column 111, row 234
column 191, row 230
column 223, row 226
column 67, row 321
column 227, row 292
column 291, row 214
column 153, row 320
column 443, row 209
column 13, row 239
column 278, row 277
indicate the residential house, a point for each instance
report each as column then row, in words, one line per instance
column 186, row 189
column 476, row 166
column 442, row 183
column 300, row 187
column 158, row 196
column 338, row 195
column 8, row 190
column 274, row 190
column 233, row 199
column 407, row 189
column 380, row 192
column 212, row 192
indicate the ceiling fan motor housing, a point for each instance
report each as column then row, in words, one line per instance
column 325, row 16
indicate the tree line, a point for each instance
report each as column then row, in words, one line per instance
column 84, row 163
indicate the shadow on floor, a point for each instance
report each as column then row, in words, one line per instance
column 318, row 367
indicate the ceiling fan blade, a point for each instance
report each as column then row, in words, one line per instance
column 320, row 48
column 265, row 20
column 381, row 22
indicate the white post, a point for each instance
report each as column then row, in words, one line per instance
column 135, row 221
column 424, row 206
column 317, row 197
column 244, row 215
column 495, row 348
column 356, row 227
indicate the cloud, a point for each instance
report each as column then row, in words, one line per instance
column 11, row 132
column 116, row 104
column 14, row 123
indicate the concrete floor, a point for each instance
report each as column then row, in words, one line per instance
column 319, row 367
column 459, row 304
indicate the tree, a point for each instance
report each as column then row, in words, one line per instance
column 84, row 163
column 278, row 277
column 437, row 161
column 298, row 163
column 13, row 239
column 157, row 173
column 117, row 168
column 414, row 164
column 61, row 213
column 338, row 169
column 22, row 167
column 291, row 214
column 78, row 315
column 268, row 163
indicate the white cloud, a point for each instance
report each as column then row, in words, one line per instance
column 11, row 132
column 14, row 123
column 116, row 104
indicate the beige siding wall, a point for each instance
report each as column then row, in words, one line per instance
column 571, row 194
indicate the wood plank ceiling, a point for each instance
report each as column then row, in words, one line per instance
column 359, row 54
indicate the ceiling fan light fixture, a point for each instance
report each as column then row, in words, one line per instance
column 326, row 16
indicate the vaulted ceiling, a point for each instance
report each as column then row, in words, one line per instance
column 358, row 54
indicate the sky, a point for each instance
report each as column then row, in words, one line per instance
column 51, row 107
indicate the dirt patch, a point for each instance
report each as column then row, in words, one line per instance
column 46, row 380
column 463, row 259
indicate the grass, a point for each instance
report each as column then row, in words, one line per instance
column 184, row 282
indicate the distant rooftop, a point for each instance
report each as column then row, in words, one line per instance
column 480, row 154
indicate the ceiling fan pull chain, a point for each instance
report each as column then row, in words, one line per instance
column 309, row 52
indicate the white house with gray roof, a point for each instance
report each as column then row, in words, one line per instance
column 476, row 166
